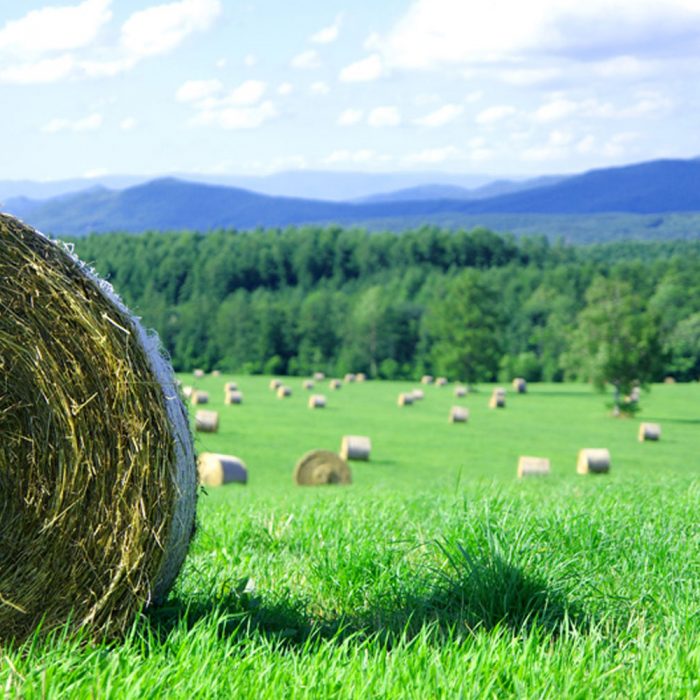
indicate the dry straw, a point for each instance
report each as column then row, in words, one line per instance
column 198, row 373
column 426, row 379
column 321, row 467
column 206, row 422
column 317, row 401
column 649, row 431
column 519, row 385
column 233, row 397
column 97, row 468
column 458, row 414
column 533, row 466
column 349, row 378
column 405, row 399
column 217, row 470
column 275, row 384
column 355, row 447
column 335, row 384
column 593, row 461
column 498, row 398
column 441, row 381
column 360, row 377
column 418, row 394
column 199, row 398
column 283, row 392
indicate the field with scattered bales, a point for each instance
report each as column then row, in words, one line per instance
column 436, row 572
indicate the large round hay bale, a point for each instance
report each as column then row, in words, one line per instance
column 319, row 376
column 217, row 470
column 649, row 431
column 308, row 384
column 417, row 394
column 97, row 467
column 458, row 414
column 317, row 401
column 460, row 392
column 519, row 385
column 199, row 398
column 275, row 384
column 360, row 377
column 187, row 392
column 533, row 466
column 405, row 399
column 233, row 397
column 498, row 398
column 355, row 447
column 206, row 422
column 426, row 379
column 593, row 461
column 335, row 384
column 349, row 378
column 321, row 467
column 283, row 392
column 216, row 373
column 231, row 386
column 441, row 381
column 669, row 380
column 198, row 373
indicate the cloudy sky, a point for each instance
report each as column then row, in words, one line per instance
column 257, row 86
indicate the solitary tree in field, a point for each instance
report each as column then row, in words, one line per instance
column 466, row 328
column 616, row 341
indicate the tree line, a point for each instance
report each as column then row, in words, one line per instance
column 473, row 305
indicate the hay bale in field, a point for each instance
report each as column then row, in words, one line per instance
column 198, row 373
column 308, row 384
column 498, row 398
column 649, row 431
column 319, row 376
column 199, row 398
column 97, row 467
column 283, row 391
column 233, row 398
column 593, row 461
column 321, row 467
column 417, row 394
column 533, row 466
column 519, row 385
column 206, row 422
column 216, row 373
column 335, row 384
column 317, row 401
column 187, row 392
column 635, row 394
column 230, row 386
column 349, row 378
column 360, row 377
column 405, row 399
column 669, row 380
column 275, row 384
column 441, row 381
column 217, row 470
column 460, row 392
column 355, row 447
column 426, row 379
column 458, row 414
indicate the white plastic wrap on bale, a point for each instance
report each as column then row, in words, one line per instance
column 458, row 414
column 593, row 460
column 206, row 421
column 355, row 447
column 649, row 431
column 533, row 466
column 317, row 401
column 405, row 399
column 217, row 469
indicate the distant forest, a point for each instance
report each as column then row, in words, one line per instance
column 392, row 305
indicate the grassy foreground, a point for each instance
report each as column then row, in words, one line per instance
column 436, row 573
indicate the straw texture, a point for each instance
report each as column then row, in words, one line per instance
column 321, row 467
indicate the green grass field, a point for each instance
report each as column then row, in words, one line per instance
column 436, row 573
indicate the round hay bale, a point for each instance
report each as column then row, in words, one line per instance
column 458, row 414
column 519, row 385
column 533, row 466
column 317, row 401
column 418, row 394
column 635, row 394
column 216, row 373
column 198, row 398
column 335, row 384
column 231, row 386
column 441, row 381
column 355, row 447
column 360, row 377
column 405, row 399
column 320, row 467
column 460, row 392
column 217, row 470
column 187, row 392
column 275, row 384
column 649, row 431
column 206, row 422
column 319, row 376
column 97, row 468
column 669, row 380
column 593, row 461
column 233, row 397
column 349, row 378
column 498, row 398
column 198, row 373
column 426, row 379
column 283, row 392
column 308, row 385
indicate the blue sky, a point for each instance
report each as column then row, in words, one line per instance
column 223, row 87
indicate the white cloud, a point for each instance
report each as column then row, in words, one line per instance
column 444, row 115
column 307, row 60
column 221, row 63
column 159, row 29
column 237, row 117
column 329, row 34
column 646, row 104
column 556, row 109
column 195, row 90
column 319, row 88
column 384, row 116
column 442, row 32
column 127, row 124
column 48, row 70
column 250, row 60
column 525, row 77
column 285, row 89
column 55, row 28
column 363, row 71
column 89, row 123
column 432, row 155
column 350, row 117
column 362, row 155
column 494, row 114
column 247, row 93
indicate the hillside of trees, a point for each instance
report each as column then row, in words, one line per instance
column 473, row 305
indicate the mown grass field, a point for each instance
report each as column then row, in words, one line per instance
column 436, row 573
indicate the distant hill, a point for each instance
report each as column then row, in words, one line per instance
column 658, row 187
